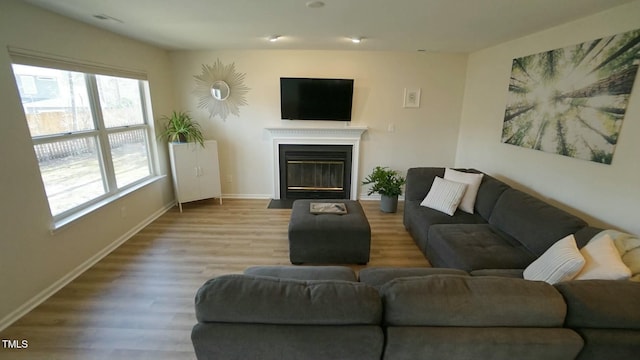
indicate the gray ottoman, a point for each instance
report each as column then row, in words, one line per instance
column 329, row 238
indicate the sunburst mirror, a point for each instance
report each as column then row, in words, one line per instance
column 220, row 89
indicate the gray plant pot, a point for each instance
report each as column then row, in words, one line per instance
column 389, row 204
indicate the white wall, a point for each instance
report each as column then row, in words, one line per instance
column 32, row 260
column 606, row 195
column 423, row 136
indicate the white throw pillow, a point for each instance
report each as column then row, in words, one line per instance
column 628, row 246
column 473, row 184
column 561, row 262
column 444, row 195
column 602, row 261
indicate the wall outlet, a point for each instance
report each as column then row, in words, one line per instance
column 229, row 178
column 123, row 212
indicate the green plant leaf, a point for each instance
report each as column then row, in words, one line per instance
column 384, row 181
column 180, row 127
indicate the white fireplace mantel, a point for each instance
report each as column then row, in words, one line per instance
column 348, row 135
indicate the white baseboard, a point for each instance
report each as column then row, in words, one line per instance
column 270, row 196
column 377, row 197
column 247, row 196
column 62, row 282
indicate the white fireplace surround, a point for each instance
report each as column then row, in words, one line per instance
column 348, row 135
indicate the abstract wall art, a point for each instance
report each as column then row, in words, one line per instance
column 572, row 101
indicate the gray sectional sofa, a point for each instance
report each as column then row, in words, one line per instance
column 427, row 313
column 473, row 304
column 509, row 229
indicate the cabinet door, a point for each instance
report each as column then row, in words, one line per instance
column 209, row 172
column 185, row 171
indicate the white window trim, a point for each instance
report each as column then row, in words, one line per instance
column 63, row 222
column 42, row 59
column 100, row 133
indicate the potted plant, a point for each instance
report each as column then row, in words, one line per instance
column 180, row 127
column 388, row 183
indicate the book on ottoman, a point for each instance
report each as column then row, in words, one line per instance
column 327, row 208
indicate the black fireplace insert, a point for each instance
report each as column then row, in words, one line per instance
column 315, row 171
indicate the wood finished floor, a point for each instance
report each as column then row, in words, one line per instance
column 137, row 303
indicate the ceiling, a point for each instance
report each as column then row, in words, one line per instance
column 386, row 25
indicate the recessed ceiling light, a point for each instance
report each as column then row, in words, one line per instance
column 315, row 4
column 274, row 38
column 356, row 40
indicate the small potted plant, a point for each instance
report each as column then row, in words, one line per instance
column 180, row 127
column 388, row 183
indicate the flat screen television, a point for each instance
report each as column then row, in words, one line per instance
column 316, row 99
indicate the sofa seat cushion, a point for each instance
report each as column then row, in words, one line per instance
column 465, row 301
column 304, row 272
column 534, row 223
column 418, row 220
column 473, row 247
column 378, row 276
column 269, row 300
column 605, row 304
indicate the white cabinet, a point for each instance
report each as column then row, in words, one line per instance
column 196, row 171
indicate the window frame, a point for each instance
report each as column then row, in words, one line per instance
column 100, row 133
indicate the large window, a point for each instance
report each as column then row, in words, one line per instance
column 90, row 134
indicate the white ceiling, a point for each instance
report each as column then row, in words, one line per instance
column 391, row 25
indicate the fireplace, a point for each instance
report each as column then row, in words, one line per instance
column 315, row 171
column 323, row 138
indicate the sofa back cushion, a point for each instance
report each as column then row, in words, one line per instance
column 268, row 300
column 534, row 223
column 453, row 300
column 419, row 181
column 488, row 194
column 584, row 235
column 601, row 304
